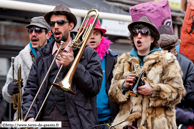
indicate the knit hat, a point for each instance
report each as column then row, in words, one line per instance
column 167, row 38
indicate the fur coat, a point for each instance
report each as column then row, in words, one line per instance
column 164, row 75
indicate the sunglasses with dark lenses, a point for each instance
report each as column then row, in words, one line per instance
column 36, row 30
column 59, row 22
column 143, row 32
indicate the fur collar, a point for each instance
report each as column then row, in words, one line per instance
column 103, row 47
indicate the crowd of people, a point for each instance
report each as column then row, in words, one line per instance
column 149, row 87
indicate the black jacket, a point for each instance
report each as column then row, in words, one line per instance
column 81, row 108
column 188, row 71
column 110, row 61
column 184, row 117
column 184, row 109
column 190, row 94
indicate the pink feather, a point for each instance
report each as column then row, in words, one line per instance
column 103, row 47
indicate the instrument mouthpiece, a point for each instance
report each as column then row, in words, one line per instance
column 62, row 42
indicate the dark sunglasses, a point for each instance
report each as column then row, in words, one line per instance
column 59, row 22
column 144, row 32
column 37, row 30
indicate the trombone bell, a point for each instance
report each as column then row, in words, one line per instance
column 65, row 86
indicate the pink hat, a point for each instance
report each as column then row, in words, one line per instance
column 97, row 26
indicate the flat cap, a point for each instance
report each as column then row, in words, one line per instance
column 40, row 22
column 168, row 40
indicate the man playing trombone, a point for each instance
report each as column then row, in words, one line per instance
column 39, row 32
column 76, row 111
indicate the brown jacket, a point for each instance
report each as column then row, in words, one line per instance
column 164, row 75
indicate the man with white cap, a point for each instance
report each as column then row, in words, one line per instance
column 39, row 32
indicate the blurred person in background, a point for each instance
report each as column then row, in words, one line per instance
column 184, row 110
column 107, row 110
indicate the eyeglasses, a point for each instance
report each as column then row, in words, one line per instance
column 59, row 22
column 144, row 32
column 173, row 52
column 37, row 30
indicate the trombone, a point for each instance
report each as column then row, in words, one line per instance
column 65, row 84
column 17, row 98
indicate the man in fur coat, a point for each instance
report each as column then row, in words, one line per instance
column 39, row 32
column 152, row 107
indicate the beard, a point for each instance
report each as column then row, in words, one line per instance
column 63, row 38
